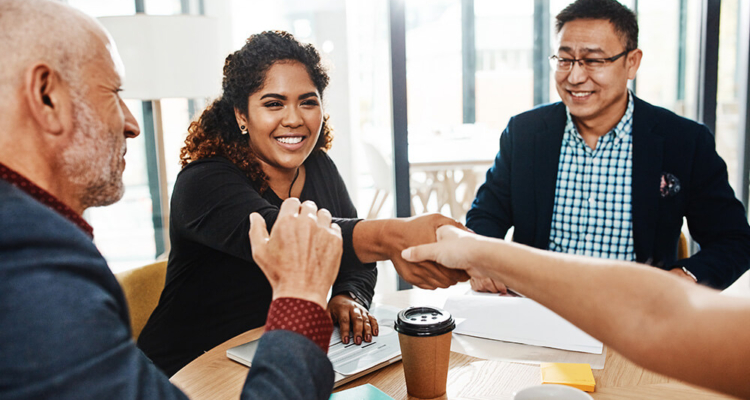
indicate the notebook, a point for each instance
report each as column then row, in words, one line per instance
column 350, row 361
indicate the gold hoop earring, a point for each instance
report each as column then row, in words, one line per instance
column 243, row 129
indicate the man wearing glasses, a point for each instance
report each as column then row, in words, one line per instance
column 605, row 174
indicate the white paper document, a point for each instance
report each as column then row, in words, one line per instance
column 497, row 350
column 350, row 359
column 518, row 320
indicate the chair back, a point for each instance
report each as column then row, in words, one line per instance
column 379, row 168
column 142, row 287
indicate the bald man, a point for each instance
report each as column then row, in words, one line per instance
column 64, row 325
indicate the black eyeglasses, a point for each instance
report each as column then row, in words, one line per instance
column 560, row 64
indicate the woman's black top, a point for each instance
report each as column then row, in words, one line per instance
column 214, row 290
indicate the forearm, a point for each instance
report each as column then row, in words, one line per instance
column 649, row 316
column 374, row 240
column 581, row 288
column 383, row 239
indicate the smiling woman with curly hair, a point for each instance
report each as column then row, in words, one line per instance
column 264, row 140
column 216, row 133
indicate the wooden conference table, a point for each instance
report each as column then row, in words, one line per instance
column 214, row 376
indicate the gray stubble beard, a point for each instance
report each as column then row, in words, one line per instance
column 91, row 162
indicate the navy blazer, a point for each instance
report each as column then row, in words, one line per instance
column 520, row 191
column 65, row 330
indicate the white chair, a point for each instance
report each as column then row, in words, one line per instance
column 380, row 171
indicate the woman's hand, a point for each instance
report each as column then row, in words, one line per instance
column 352, row 317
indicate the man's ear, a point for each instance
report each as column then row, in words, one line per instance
column 634, row 62
column 48, row 99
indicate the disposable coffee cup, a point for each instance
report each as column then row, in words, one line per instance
column 424, row 334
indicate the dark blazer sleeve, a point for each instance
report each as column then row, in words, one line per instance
column 716, row 219
column 288, row 365
column 491, row 212
column 65, row 328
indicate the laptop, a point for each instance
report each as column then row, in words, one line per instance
column 350, row 361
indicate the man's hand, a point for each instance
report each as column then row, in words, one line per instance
column 488, row 285
column 453, row 249
column 302, row 254
column 353, row 319
column 415, row 231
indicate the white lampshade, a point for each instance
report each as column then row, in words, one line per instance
column 168, row 56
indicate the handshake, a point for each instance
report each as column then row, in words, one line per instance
column 301, row 255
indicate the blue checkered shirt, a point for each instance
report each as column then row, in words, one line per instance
column 592, row 214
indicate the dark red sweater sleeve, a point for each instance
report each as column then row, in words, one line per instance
column 301, row 316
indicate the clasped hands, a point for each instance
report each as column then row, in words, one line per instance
column 376, row 240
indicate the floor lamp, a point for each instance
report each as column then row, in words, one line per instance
column 165, row 57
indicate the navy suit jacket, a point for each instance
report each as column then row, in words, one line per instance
column 520, row 191
column 65, row 331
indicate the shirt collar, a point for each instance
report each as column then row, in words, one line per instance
column 620, row 131
column 44, row 197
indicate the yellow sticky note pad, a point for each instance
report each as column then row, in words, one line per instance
column 578, row 376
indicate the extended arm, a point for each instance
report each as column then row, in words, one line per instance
column 648, row 315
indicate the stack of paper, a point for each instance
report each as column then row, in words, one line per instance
column 518, row 320
column 578, row 376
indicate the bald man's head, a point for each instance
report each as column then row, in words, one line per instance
column 63, row 124
column 44, row 31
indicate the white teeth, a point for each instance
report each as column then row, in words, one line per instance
column 290, row 140
column 580, row 94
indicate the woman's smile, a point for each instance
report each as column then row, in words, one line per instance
column 291, row 142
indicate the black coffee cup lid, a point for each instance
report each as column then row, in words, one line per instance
column 424, row 321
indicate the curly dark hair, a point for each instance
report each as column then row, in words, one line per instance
column 216, row 133
column 622, row 18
